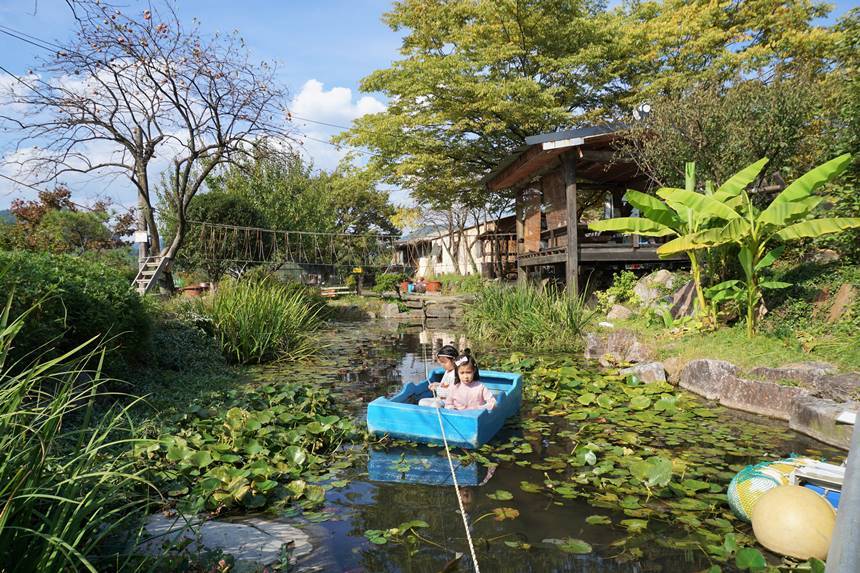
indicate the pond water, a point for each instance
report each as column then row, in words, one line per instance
column 392, row 484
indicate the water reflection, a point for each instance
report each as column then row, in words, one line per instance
column 422, row 465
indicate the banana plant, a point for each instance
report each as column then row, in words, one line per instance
column 787, row 218
column 682, row 212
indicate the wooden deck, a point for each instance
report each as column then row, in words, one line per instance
column 597, row 253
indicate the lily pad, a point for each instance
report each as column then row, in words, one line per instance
column 571, row 545
column 501, row 495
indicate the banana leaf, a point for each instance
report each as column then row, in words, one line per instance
column 807, row 183
column 739, row 181
column 818, row 227
column 702, row 206
column 730, row 233
column 786, row 212
column 632, row 225
column 652, row 208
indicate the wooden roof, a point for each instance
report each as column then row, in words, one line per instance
column 597, row 160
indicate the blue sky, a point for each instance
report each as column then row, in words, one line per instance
column 324, row 48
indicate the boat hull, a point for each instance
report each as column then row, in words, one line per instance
column 399, row 417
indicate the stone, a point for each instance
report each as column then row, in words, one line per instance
column 618, row 346
column 764, row 398
column 707, row 377
column 845, row 297
column 390, row 310
column 839, row 387
column 673, row 367
column 253, row 542
column 684, row 301
column 646, row 372
column 816, row 417
column 653, row 287
column 807, row 373
column 820, row 256
column 619, row 312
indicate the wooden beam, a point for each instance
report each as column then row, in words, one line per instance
column 601, row 156
column 522, row 168
column 568, row 169
column 521, row 272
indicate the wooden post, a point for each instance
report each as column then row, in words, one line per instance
column 568, row 168
column 522, row 276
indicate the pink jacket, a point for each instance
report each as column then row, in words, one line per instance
column 469, row 397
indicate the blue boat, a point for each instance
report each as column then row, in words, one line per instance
column 424, row 465
column 400, row 416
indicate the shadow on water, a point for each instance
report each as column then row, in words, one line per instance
column 392, row 485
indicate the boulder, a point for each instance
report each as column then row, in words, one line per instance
column 390, row 310
column 646, row 372
column 707, row 377
column 618, row 346
column 820, row 256
column 845, row 297
column 254, row 543
column 673, row 367
column 653, row 287
column 684, row 301
column 839, row 387
column 816, row 417
column 619, row 312
column 807, row 373
column 765, row 398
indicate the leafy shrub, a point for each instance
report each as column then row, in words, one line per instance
column 388, row 282
column 262, row 322
column 72, row 300
column 66, row 488
column 527, row 316
column 620, row 292
column 182, row 346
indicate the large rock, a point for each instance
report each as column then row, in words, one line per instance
column 646, row 372
column 654, row 287
column 673, row 367
column 707, row 377
column 807, row 373
column 816, row 417
column 765, row 398
column 390, row 310
column 619, row 346
column 619, row 312
column 839, row 387
column 845, row 297
column 254, row 543
column 684, row 301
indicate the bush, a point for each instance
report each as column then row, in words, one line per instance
column 73, row 300
column 528, row 317
column 66, row 485
column 262, row 322
column 463, row 284
column 181, row 346
column 388, row 282
column 620, row 292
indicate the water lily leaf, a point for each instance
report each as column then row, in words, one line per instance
column 501, row 495
column 630, row 502
column 695, row 485
column 605, row 401
column 598, row 520
column 295, row 454
column 177, row 453
column 586, row 399
column 634, row 525
column 570, row 545
column 315, row 428
column 816, row 566
column 640, row 402
column 314, row 493
column 529, row 487
column 265, row 485
column 297, row 487
column 576, row 416
column 749, row 559
column 414, row 524
column 503, row 513
column 653, row 471
column 200, row 459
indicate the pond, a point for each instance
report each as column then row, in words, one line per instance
column 525, row 516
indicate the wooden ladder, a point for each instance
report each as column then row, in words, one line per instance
column 149, row 273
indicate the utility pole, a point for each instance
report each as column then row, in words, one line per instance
column 141, row 236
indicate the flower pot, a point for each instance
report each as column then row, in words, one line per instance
column 434, row 286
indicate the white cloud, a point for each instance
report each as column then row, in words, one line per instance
column 335, row 106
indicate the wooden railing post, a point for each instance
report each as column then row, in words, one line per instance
column 568, row 167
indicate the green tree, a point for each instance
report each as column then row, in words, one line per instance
column 787, row 218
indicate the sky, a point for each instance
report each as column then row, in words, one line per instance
column 324, row 48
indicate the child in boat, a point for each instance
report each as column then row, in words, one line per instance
column 468, row 393
column 445, row 357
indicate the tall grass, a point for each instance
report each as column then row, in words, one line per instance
column 528, row 317
column 65, row 485
column 262, row 322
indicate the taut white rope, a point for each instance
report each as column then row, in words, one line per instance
column 457, row 489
